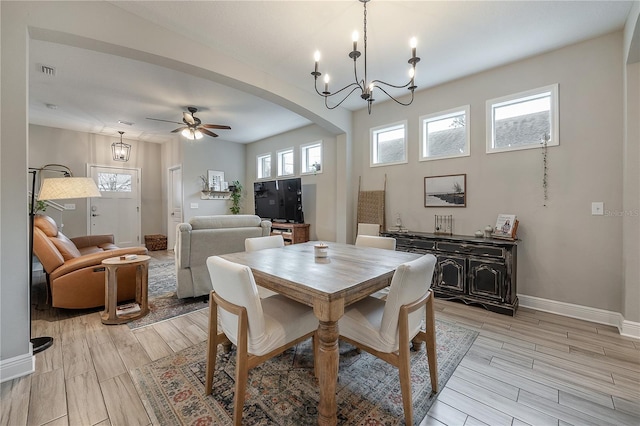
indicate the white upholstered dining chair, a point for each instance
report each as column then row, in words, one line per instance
column 261, row 243
column 369, row 229
column 386, row 328
column 388, row 243
column 260, row 329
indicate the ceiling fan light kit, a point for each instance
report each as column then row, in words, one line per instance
column 193, row 129
column 365, row 85
column 192, row 134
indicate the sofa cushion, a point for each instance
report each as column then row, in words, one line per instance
column 224, row 221
column 46, row 225
column 67, row 249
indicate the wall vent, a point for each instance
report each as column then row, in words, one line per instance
column 46, row 69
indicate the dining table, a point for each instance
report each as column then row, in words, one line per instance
column 347, row 274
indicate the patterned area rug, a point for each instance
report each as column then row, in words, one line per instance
column 163, row 302
column 284, row 391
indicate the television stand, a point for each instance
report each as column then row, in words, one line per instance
column 292, row 233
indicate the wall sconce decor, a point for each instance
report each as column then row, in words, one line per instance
column 120, row 150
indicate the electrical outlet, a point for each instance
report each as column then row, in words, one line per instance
column 69, row 206
column 597, row 208
column 194, row 205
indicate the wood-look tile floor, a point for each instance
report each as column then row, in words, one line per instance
column 534, row 368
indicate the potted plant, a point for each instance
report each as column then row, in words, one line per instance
column 236, row 195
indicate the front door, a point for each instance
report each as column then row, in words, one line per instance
column 117, row 211
column 175, row 204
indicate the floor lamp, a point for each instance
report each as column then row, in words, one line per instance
column 67, row 187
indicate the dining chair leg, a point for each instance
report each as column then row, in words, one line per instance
column 404, row 367
column 431, row 343
column 242, row 368
column 212, row 346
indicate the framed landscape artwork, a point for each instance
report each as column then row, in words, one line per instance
column 445, row 191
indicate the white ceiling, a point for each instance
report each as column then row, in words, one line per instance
column 94, row 90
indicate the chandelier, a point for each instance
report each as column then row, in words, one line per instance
column 365, row 85
column 120, row 150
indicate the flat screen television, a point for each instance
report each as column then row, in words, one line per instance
column 279, row 200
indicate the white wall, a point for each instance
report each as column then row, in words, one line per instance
column 77, row 149
column 319, row 195
column 566, row 254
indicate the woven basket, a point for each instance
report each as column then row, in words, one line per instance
column 155, row 242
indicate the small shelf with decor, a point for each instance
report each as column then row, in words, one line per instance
column 292, row 233
column 215, row 195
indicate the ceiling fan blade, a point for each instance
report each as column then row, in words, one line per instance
column 179, row 129
column 206, row 132
column 188, row 118
column 166, row 121
column 215, row 126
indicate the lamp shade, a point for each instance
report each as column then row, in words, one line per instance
column 67, row 188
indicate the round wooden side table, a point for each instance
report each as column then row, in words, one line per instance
column 112, row 264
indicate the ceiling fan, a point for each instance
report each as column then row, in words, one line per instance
column 194, row 128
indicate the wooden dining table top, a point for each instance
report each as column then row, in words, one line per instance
column 348, row 272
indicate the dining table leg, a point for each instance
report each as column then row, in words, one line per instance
column 328, row 360
column 328, row 357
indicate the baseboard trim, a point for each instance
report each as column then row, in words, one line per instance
column 18, row 366
column 630, row 329
column 600, row 316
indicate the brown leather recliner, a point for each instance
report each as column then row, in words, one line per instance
column 73, row 266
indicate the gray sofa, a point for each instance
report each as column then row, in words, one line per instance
column 205, row 236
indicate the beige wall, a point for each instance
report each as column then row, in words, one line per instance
column 631, row 168
column 201, row 156
column 14, row 226
column 77, row 149
column 566, row 254
column 319, row 194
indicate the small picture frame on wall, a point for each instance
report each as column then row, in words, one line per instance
column 216, row 180
column 445, row 191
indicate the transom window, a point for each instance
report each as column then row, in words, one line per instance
column 263, row 164
column 285, row 162
column 445, row 134
column 114, row 182
column 311, row 158
column 389, row 144
column 522, row 120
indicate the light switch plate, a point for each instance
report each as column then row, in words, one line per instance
column 597, row 208
column 194, row 205
column 69, row 206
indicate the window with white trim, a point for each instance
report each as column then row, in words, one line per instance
column 263, row 166
column 311, row 158
column 521, row 120
column 389, row 144
column 445, row 134
column 285, row 162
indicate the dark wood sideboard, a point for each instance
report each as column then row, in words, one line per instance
column 472, row 270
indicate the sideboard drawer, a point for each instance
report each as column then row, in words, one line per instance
column 474, row 249
column 415, row 243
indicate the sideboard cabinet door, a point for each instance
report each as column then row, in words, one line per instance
column 450, row 273
column 487, row 279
